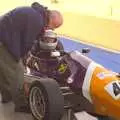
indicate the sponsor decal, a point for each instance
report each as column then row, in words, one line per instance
column 103, row 75
column 62, row 68
column 113, row 89
column 70, row 80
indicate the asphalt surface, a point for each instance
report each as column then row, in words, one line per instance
column 7, row 113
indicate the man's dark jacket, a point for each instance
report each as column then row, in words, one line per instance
column 19, row 28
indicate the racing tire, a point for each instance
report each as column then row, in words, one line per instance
column 46, row 100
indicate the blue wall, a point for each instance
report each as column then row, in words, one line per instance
column 108, row 59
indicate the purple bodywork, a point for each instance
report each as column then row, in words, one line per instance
column 77, row 65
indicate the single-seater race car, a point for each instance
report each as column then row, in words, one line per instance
column 70, row 81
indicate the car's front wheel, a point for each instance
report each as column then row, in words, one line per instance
column 46, row 100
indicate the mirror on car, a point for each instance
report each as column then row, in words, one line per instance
column 118, row 75
column 85, row 50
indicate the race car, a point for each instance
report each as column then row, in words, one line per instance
column 74, row 82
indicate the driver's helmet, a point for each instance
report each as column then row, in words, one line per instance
column 49, row 40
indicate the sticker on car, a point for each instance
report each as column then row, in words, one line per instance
column 113, row 89
column 103, row 75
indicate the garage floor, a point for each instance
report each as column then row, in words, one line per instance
column 7, row 113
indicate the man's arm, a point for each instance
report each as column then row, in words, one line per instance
column 35, row 48
column 33, row 28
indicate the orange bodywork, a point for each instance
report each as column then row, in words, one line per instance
column 105, row 92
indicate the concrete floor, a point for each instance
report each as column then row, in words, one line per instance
column 7, row 113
